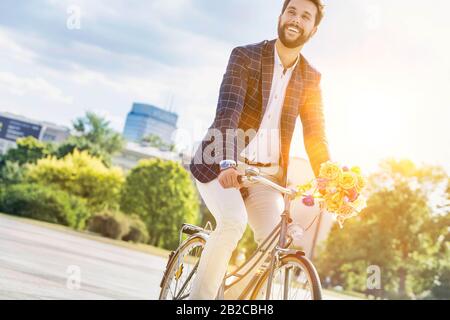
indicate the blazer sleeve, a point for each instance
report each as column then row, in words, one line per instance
column 231, row 103
column 313, row 121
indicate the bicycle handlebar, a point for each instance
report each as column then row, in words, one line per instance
column 252, row 175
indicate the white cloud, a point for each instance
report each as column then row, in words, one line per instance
column 32, row 86
column 13, row 50
column 147, row 51
column 115, row 121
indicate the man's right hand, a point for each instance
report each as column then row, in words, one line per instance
column 229, row 179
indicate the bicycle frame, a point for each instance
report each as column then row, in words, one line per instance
column 266, row 249
column 280, row 232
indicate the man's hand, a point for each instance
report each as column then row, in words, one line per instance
column 229, row 179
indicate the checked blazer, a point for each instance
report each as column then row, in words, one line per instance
column 243, row 99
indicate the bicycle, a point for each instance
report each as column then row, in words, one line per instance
column 279, row 272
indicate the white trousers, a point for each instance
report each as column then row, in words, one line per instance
column 261, row 209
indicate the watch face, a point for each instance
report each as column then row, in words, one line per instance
column 226, row 164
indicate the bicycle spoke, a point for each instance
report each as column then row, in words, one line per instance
column 186, row 282
column 290, row 282
column 181, row 275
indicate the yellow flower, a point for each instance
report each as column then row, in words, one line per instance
column 331, row 206
column 360, row 183
column 356, row 170
column 334, row 201
column 330, row 170
column 337, row 197
column 305, row 187
column 348, row 180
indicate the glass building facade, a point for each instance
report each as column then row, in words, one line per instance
column 144, row 120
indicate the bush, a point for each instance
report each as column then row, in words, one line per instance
column 11, row 173
column 138, row 231
column 161, row 193
column 82, row 175
column 28, row 150
column 441, row 290
column 110, row 224
column 44, row 203
column 116, row 225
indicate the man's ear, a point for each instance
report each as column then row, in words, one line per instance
column 313, row 32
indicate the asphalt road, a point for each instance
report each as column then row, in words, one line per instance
column 37, row 262
column 41, row 263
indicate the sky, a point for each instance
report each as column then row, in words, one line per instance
column 385, row 67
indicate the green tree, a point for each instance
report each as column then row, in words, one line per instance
column 397, row 232
column 11, row 173
column 28, row 150
column 438, row 229
column 162, row 194
column 82, row 175
column 92, row 134
column 156, row 142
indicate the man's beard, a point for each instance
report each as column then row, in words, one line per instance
column 291, row 44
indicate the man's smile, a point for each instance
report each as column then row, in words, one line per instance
column 293, row 30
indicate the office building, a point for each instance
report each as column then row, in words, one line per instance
column 144, row 120
column 13, row 127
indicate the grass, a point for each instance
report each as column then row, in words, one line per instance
column 92, row 236
column 345, row 295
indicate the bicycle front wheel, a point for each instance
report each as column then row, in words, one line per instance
column 181, row 270
column 294, row 278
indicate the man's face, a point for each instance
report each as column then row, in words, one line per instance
column 297, row 24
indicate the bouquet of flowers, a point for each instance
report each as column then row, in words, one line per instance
column 338, row 191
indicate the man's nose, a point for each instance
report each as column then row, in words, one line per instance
column 296, row 21
column 297, row 24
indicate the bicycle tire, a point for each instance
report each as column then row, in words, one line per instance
column 194, row 241
column 308, row 268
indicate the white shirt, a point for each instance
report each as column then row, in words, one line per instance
column 265, row 146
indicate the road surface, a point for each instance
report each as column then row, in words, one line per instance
column 37, row 262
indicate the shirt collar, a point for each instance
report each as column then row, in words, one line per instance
column 280, row 64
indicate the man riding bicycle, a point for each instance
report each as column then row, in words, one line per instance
column 265, row 88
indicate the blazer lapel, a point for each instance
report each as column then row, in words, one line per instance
column 295, row 88
column 294, row 95
column 267, row 73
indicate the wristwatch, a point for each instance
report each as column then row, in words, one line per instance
column 227, row 164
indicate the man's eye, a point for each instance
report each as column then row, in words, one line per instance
column 306, row 17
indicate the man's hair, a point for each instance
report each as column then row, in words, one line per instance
column 319, row 5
